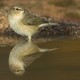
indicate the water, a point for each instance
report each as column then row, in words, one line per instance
column 60, row 64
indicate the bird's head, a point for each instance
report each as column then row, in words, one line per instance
column 17, row 11
column 17, row 68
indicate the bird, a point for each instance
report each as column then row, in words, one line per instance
column 25, row 22
column 23, row 54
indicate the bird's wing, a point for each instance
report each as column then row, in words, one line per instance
column 31, row 58
column 32, row 19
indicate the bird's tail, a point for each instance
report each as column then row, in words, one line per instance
column 46, row 50
column 47, row 25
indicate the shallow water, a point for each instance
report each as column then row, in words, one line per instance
column 60, row 64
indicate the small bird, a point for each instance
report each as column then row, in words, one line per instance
column 26, row 23
column 23, row 54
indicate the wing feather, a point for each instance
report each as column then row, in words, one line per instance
column 32, row 19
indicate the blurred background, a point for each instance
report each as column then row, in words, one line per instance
column 57, row 9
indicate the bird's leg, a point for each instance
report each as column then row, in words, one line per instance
column 29, row 38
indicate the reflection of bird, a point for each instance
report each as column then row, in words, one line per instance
column 22, row 55
column 26, row 23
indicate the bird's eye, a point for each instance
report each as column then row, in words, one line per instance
column 18, row 70
column 17, row 9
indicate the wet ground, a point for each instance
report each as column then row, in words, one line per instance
column 60, row 64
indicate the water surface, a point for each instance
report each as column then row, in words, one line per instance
column 60, row 64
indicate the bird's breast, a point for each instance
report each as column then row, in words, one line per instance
column 20, row 28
